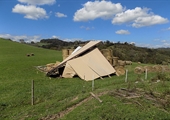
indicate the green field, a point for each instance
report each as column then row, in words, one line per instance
column 70, row 99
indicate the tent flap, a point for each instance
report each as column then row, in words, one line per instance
column 68, row 72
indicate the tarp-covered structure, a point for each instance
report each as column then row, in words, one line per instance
column 88, row 63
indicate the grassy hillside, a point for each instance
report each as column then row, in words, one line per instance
column 70, row 99
column 17, row 70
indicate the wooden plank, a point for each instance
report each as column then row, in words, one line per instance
column 131, row 97
column 96, row 97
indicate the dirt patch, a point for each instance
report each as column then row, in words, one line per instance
column 68, row 110
column 159, row 100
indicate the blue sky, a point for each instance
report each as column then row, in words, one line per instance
column 144, row 22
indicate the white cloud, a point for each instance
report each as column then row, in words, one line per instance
column 123, row 32
column 166, row 29
column 28, row 39
column 72, row 39
column 139, row 17
column 163, row 41
column 55, row 37
column 38, row 2
column 97, row 9
column 148, row 21
column 58, row 14
column 82, row 27
column 164, row 45
column 129, row 15
column 86, row 28
column 30, row 11
column 157, row 39
column 160, row 43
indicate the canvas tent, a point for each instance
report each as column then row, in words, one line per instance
column 88, row 63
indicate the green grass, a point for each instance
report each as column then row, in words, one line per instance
column 115, row 109
column 54, row 95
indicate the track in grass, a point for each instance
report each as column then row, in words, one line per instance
column 68, row 110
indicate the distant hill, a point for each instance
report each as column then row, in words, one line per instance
column 124, row 51
column 58, row 44
column 141, row 54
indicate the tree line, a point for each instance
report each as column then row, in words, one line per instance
column 125, row 51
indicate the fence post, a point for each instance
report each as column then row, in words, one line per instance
column 126, row 75
column 32, row 93
column 146, row 74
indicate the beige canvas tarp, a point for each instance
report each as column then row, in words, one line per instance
column 80, row 51
column 75, row 55
column 68, row 71
column 90, row 66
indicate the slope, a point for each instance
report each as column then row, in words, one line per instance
column 69, row 98
column 17, row 70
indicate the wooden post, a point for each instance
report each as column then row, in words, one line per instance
column 126, row 75
column 93, row 84
column 146, row 74
column 32, row 93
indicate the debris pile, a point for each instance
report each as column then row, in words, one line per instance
column 138, row 96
